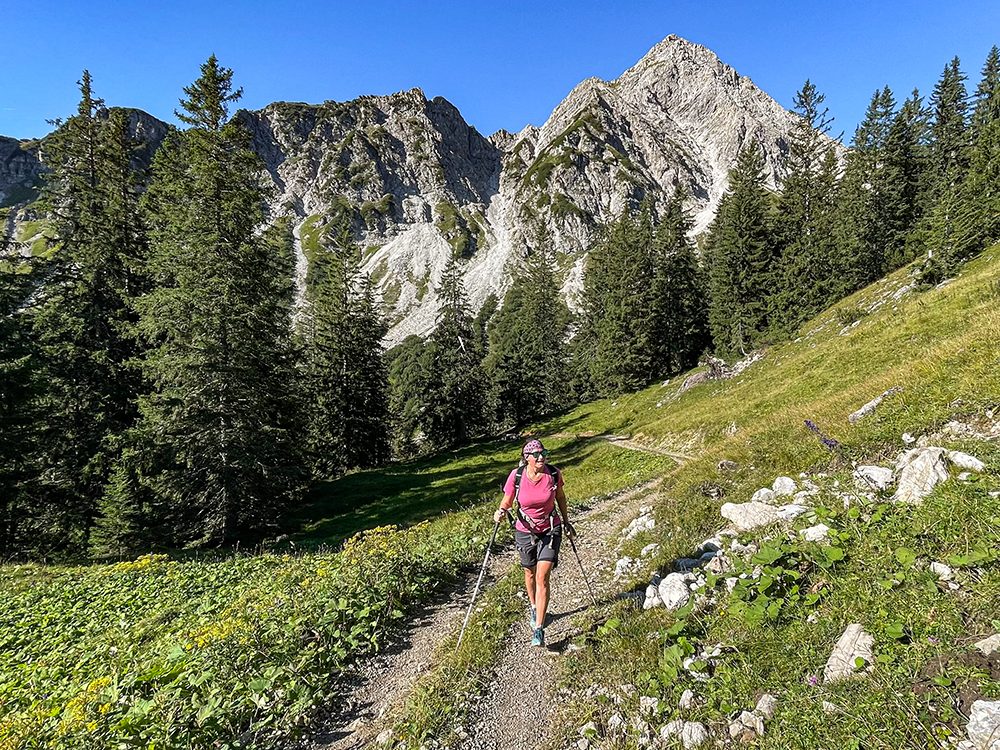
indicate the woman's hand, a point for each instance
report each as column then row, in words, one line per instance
column 570, row 531
column 499, row 515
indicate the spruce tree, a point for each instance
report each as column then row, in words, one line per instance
column 345, row 381
column 83, row 320
column 215, row 449
column 679, row 292
column 743, row 259
column 617, row 340
column 805, row 217
column 949, row 129
column 453, row 405
column 407, row 393
column 526, row 364
column 18, row 389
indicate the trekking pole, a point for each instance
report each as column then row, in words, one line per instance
column 482, row 572
column 582, row 571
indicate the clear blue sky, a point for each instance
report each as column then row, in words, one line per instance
column 503, row 64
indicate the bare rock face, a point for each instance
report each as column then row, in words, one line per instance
column 418, row 184
column 20, row 171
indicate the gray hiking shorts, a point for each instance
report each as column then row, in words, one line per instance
column 545, row 549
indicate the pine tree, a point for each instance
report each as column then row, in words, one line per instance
column 679, row 292
column 346, row 384
column 407, row 392
column 526, row 365
column 215, row 450
column 84, row 317
column 743, row 257
column 805, row 215
column 453, row 408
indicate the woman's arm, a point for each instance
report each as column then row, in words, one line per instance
column 563, row 511
column 506, row 504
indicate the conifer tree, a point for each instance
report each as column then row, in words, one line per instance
column 215, row 450
column 84, row 317
column 743, row 258
column 526, row 364
column 617, row 344
column 407, row 393
column 805, row 216
column 949, row 129
column 679, row 292
column 346, row 385
column 986, row 108
column 18, row 389
column 453, row 408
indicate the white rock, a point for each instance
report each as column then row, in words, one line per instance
column 753, row 722
column 984, row 725
column 672, row 729
column 583, row 744
column 817, row 533
column 870, row 407
column 908, row 439
column 747, row 516
column 693, row 735
column 652, row 598
column 763, row 495
column 648, row 705
column 624, row 566
column 920, row 470
column 873, row 477
column 588, row 730
column 784, row 486
column 767, row 706
column 674, row 592
column 854, row 644
column 616, row 724
column 384, row 738
column 791, row 512
column 830, row 708
column 649, row 549
column 687, row 700
column 965, row 461
column 709, row 545
column 989, row 645
column 942, row 571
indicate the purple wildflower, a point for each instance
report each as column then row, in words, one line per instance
column 812, row 679
column 829, row 442
column 932, row 640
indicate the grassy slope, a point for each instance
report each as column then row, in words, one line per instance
column 942, row 347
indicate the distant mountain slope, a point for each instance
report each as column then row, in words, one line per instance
column 419, row 184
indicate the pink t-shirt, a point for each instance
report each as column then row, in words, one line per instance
column 537, row 499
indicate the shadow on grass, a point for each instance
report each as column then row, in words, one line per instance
column 408, row 493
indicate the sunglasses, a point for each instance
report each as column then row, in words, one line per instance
column 537, row 454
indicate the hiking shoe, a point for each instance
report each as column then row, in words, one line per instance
column 538, row 639
column 533, row 618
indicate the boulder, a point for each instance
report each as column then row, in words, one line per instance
column 791, row 512
column 784, row 486
column 984, row 725
column 965, row 461
column 652, row 598
column 687, row 700
column 752, row 515
column 870, row 407
column 693, row 735
column 767, row 706
column 854, row 644
column 873, row 478
column 817, row 533
column 763, row 495
column 674, row 592
column 942, row 571
column 920, row 470
column 989, row 645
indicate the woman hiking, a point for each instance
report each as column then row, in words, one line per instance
column 538, row 489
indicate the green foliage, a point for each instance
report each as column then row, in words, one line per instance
column 526, row 363
column 344, row 381
column 82, row 328
column 743, row 253
column 214, row 454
